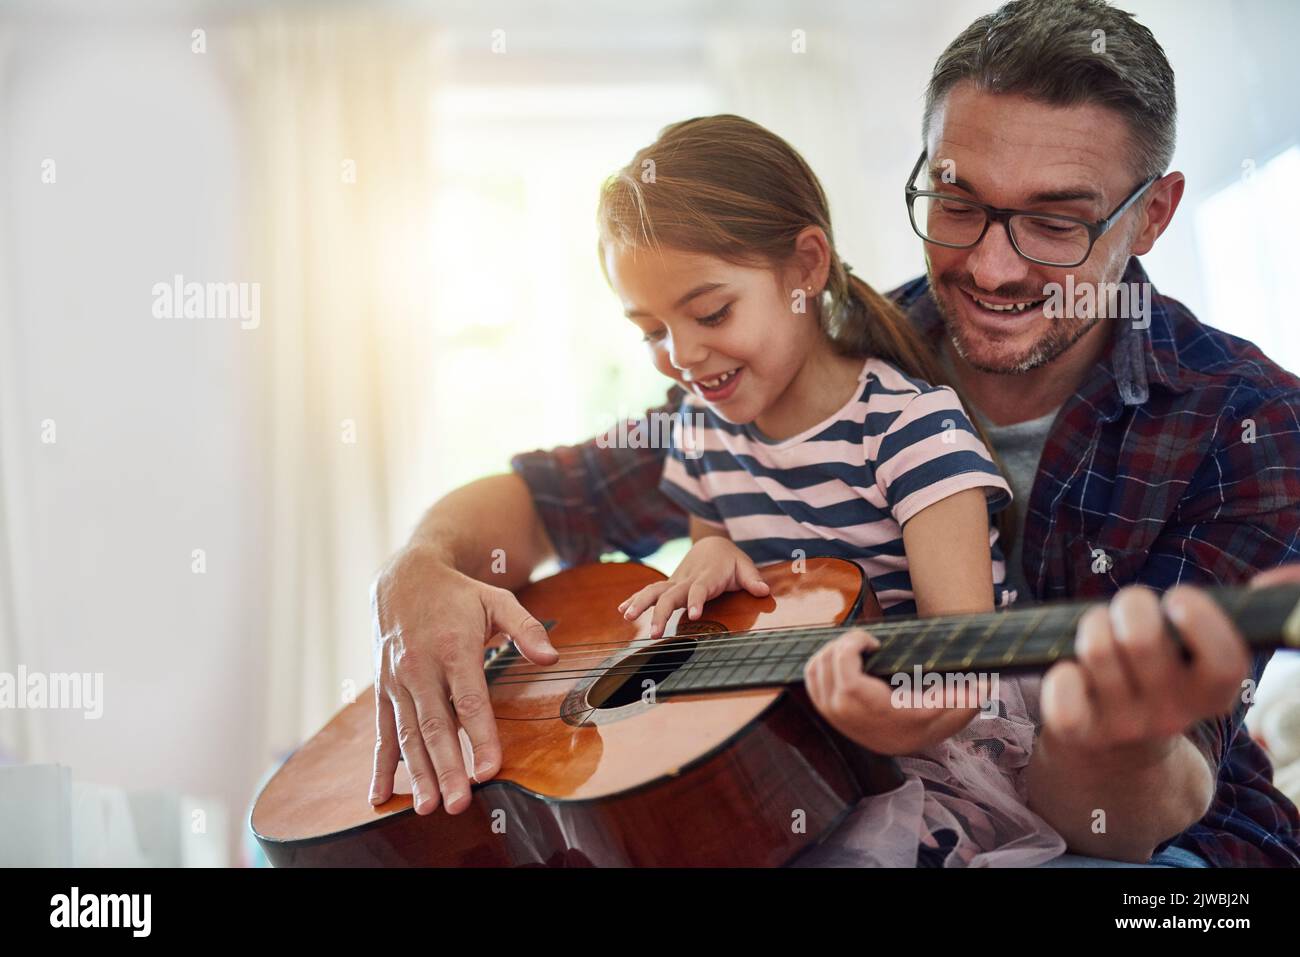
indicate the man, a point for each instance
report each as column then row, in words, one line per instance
column 1144, row 450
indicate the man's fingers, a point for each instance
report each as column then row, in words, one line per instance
column 1103, row 671
column 506, row 614
column 1147, row 652
column 1285, row 575
column 1066, row 710
column 386, row 749
column 441, row 737
column 1220, row 660
column 424, row 783
column 473, row 707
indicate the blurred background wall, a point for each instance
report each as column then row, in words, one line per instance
column 195, row 506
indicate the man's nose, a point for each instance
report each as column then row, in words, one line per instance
column 994, row 261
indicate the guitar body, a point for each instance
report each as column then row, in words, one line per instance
column 598, row 771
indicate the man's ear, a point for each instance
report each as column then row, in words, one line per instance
column 1158, row 209
column 812, row 258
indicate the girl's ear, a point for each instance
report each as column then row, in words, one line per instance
column 811, row 262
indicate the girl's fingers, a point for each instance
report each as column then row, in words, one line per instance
column 643, row 599
column 695, row 599
column 846, row 665
column 668, row 603
column 852, row 645
column 814, row 678
column 750, row 579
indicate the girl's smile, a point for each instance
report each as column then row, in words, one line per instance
column 717, row 389
column 730, row 335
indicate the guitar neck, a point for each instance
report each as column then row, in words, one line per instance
column 1026, row 639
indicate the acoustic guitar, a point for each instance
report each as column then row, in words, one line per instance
column 696, row 748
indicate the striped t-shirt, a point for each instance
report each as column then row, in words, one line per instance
column 843, row 488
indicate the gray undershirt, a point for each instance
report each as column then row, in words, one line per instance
column 1019, row 447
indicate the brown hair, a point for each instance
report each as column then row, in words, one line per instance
column 1065, row 53
column 727, row 187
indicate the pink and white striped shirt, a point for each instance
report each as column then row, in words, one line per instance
column 844, row 487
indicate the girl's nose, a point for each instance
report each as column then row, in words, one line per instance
column 686, row 351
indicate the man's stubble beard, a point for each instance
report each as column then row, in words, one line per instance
column 1060, row 336
column 1063, row 332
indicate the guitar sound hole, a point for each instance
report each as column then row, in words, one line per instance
column 625, row 684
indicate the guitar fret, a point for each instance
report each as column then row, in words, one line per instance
column 908, row 650
column 932, row 663
column 679, row 680
column 754, row 658
column 1029, row 629
column 722, row 654
column 769, row 664
column 1020, row 638
column 981, row 641
column 1065, row 641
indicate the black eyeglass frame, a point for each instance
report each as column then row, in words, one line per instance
column 996, row 214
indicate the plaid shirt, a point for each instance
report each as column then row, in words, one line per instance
column 1176, row 461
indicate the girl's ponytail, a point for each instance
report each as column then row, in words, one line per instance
column 862, row 322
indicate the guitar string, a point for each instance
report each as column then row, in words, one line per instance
column 720, row 667
column 623, row 667
column 887, row 630
column 898, row 623
column 1024, row 655
column 990, row 645
column 887, row 636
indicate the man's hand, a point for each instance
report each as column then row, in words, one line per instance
column 1114, row 719
column 431, row 624
column 1129, row 686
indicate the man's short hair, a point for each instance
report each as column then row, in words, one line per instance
column 1067, row 53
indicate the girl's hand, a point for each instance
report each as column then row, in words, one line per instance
column 712, row 566
column 861, row 706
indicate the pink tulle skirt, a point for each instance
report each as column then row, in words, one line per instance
column 963, row 803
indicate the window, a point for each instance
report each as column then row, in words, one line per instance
column 1248, row 234
column 531, row 348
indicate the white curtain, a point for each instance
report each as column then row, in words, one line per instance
column 19, row 443
column 337, row 109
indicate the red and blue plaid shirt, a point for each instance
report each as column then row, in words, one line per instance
column 1178, row 458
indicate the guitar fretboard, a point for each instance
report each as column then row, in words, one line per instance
column 1005, row 641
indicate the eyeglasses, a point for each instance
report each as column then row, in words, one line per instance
column 1048, row 239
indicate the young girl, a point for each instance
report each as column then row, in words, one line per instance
column 823, row 435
